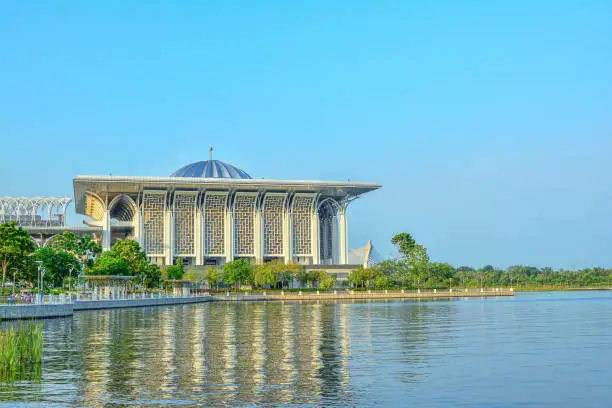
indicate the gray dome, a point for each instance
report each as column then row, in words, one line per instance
column 211, row 169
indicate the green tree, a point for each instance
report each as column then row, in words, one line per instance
column 418, row 261
column 129, row 250
column 382, row 281
column 287, row 272
column 214, row 276
column 82, row 247
column 358, row 277
column 174, row 272
column 238, row 272
column 403, row 242
column 303, row 277
column 15, row 247
column 265, row 274
column 110, row 264
column 326, row 282
column 152, row 276
column 313, row 277
column 195, row 275
column 58, row 264
column 440, row 273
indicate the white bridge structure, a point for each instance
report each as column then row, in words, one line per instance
column 210, row 213
column 42, row 217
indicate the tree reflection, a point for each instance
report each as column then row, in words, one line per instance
column 243, row 353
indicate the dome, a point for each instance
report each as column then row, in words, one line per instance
column 211, row 169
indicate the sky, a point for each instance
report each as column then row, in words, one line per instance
column 488, row 123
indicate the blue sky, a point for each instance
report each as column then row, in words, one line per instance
column 488, row 123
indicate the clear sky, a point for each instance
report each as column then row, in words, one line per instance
column 489, row 123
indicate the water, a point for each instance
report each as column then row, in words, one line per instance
column 533, row 350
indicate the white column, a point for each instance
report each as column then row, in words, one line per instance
column 199, row 237
column 138, row 229
column 169, row 237
column 315, row 238
column 287, row 236
column 343, row 237
column 229, row 236
column 106, row 231
column 258, row 236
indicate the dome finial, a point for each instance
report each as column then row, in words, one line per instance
column 210, row 150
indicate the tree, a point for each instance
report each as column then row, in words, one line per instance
column 440, row 273
column 313, row 277
column 302, row 277
column 357, row 277
column 288, row 272
column 214, row 276
column 110, row 264
column 326, row 282
column 174, row 272
column 403, row 242
column 194, row 275
column 58, row 264
column 82, row 248
column 15, row 246
column 129, row 250
column 152, row 276
column 418, row 260
column 237, row 272
column 382, row 281
column 265, row 274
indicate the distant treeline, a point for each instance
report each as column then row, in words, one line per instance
column 413, row 269
column 443, row 275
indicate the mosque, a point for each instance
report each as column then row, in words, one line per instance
column 211, row 212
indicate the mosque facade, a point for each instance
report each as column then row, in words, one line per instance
column 211, row 212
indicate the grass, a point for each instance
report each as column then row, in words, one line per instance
column 21, row 351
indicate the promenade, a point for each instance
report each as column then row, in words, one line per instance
column 61, row 306
column 362, row 295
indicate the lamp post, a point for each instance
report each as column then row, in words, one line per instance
column 14, row 281
column 41, row 277
column 70, row 281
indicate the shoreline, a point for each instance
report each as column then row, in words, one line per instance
column 45, row 311
column 370, row 295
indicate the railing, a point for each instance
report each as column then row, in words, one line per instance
column 66, row 298
column 349, row 293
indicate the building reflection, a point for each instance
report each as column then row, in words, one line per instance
column 240, row 353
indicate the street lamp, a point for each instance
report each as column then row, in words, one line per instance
column 14, row 281
column 41, row 277
column 70, row 281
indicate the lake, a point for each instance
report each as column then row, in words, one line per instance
column 550, row 349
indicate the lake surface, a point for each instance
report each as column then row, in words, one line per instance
column 533, row 350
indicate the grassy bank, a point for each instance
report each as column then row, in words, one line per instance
column 21, row 351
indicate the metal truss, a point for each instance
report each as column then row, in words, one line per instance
column 34, row 211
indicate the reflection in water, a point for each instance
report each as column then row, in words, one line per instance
column 320, row 353
column 218, row 353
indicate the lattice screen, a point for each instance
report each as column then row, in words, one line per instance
column 301, row 218
column 328, row 232
column 214, row 215
column 273, row 224
column 184, row 224
column 153, row 205
column 244, row 212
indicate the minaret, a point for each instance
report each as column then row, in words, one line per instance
column 210, row 150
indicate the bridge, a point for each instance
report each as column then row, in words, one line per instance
column 42, row 217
